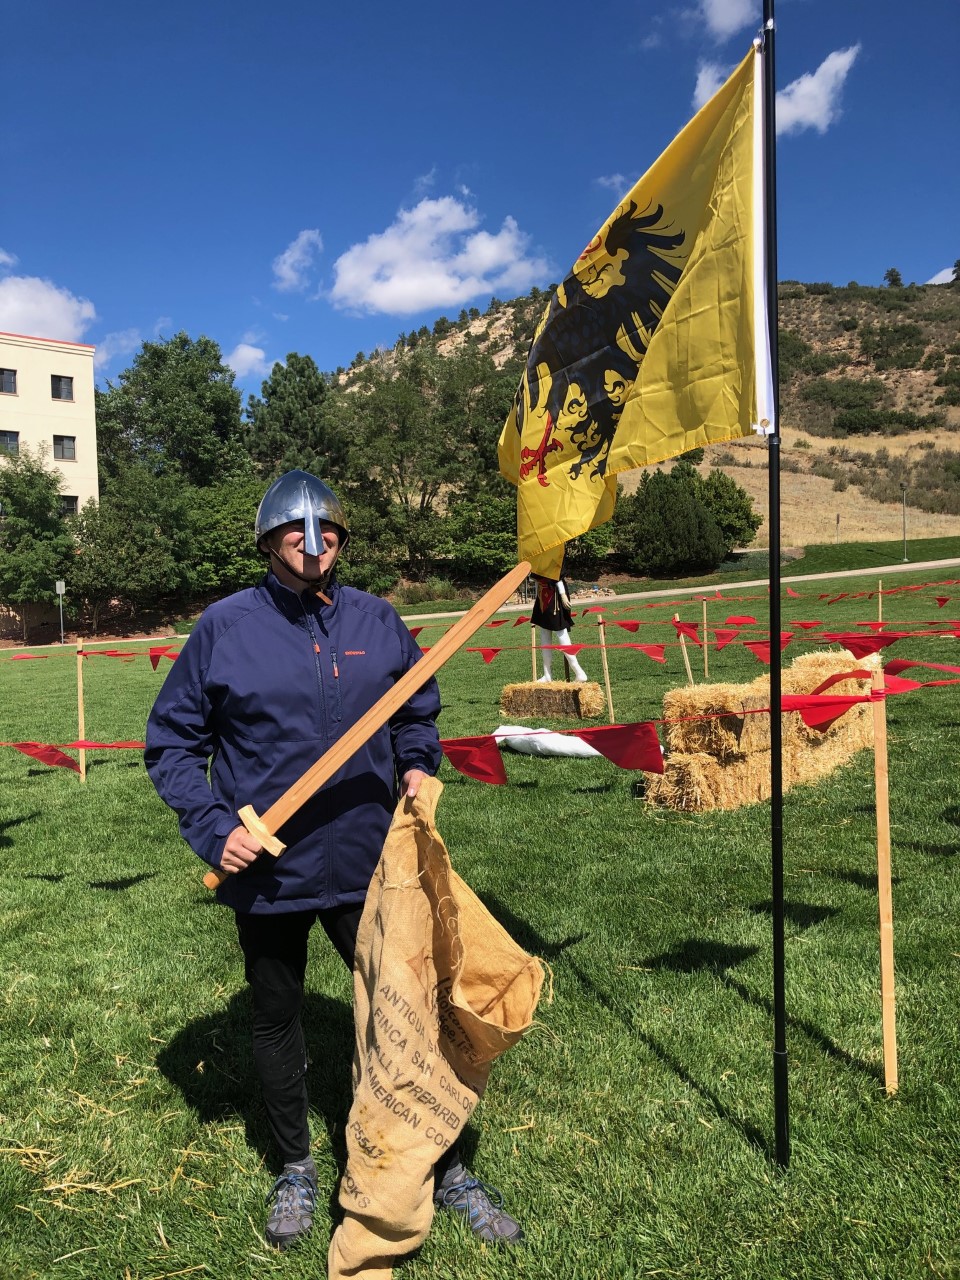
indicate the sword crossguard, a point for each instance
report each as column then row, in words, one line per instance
column 254, row 824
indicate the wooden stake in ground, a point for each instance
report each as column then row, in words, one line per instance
column 533, row 651
column 282, row 810
column 683, row 646
column 81, row 721
column 606, row 669
column 885, row 890
column 703, row 632
column 879, row 599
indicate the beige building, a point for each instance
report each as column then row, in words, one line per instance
column 46, row 399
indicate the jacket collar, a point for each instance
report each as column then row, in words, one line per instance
column 293, row 604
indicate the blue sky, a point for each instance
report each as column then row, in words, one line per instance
column 307, row 177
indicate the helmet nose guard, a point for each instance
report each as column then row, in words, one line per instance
column 297, row 495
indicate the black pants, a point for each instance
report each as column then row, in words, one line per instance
column 275, row 956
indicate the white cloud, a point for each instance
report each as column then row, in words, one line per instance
column 245, row 360
column 813, row 101
column 291, row 268
column 652, row 41
column 8, row 259
column 810, row 102
column 162, row 324
column 942, row 277
column 725, row 18
column 112, row 345
column 42, row 309
column 710, row 76
column 433, row 256
column 426, row 182
column 615, row 182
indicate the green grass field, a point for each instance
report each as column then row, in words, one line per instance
column 632, row 1130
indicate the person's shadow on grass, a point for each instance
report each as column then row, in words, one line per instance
column 211, row 1062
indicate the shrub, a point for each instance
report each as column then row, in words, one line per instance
column 663, row 529
column 844, row 393
column 895, row 346
column 887, row 422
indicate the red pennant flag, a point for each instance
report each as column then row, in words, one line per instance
column 791, row 592
column 740, row 620
column 631, row 746
column 28, row 657
column 761, row 648
column 627, row 626
column 592, row 608
column 858, row 674
column 415, row 631
column 46, row 754
column 688, row 629
column 820, row 711
column 897, row 684
column 478, row 758
column 876, row 625
column 842, row 596
column 425, row 648
column 571, row 649
column 498, row 622
column 724, row 636
column 523, row 618
column 807, row 626
column 488, row 654
column 942, row 600
column 860, row 645
column 654, row 651
column 161, row 651
column 901, row 664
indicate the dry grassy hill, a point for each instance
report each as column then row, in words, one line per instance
column 870, row 400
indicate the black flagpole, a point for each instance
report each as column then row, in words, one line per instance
column 781, row 1110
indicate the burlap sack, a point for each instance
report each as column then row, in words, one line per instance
column 440, row 991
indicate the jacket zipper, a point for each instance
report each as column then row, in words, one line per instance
column 327, row 852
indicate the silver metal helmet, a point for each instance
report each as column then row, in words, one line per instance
column 301, row 496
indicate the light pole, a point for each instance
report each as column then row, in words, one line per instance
column 903, row 497
column 61, row 588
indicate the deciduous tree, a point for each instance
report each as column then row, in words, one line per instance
column 36, row 543
column 175, row 411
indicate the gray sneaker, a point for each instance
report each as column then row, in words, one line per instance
column 294, row 1196
column 480, row 1204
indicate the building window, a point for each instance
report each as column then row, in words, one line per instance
column 10, row 442
column 65, row 448
column 68, row 505
column 61, row 388
column 8, row 382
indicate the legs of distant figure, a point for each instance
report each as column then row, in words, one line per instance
column 548, row 638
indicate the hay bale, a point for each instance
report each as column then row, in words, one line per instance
column 533, row 700
column 696, row 782
column 719, row 733
column 732, row 765
column 731, row 734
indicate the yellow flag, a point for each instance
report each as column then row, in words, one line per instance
column 655, row 343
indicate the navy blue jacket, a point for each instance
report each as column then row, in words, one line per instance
column 265, row 684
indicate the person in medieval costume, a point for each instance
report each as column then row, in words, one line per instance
column 268, row 680
column 553, row 615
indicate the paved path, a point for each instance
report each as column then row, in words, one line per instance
column 881, row 571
